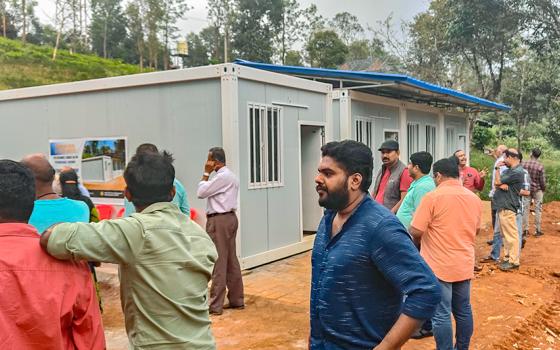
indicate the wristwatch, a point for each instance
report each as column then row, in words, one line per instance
column 496, row 167
column 206, row 174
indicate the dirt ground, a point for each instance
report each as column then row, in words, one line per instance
column 512, row 310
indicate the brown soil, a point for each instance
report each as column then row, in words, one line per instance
column 512, row 310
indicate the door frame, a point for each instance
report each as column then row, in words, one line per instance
column 300, row 124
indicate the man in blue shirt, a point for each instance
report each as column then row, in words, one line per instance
column 180, row 199
column 363, row 262
column 50, row 208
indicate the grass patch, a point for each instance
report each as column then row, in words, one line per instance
column 25, row 65
column 480, row 161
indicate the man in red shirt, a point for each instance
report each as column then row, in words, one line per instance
column 393, row 180
column 45, row 303
column 471, row 178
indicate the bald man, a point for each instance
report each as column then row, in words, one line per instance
column 50, row 208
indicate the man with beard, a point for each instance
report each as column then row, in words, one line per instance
column 393, row 179
column 471, row 178
column 363, row 262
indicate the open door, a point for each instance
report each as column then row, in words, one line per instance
column 312, row 138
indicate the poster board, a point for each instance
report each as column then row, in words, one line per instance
column 99, row 162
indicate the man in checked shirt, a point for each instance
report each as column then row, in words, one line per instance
column 538, row 187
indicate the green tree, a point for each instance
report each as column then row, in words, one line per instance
column 222, row 14
column 290, row 31
column 544, row 22
column 198, row 52
column 213, row 41
column 107, row 28
column 293, row 58
column 482, row 137
column 325, row 49
column 347, row 26
column 484, row 33
column 427, row 60
column 23, row 12
column 255, row 27
column 135, row 26
column 530, row 90
column 172, row 11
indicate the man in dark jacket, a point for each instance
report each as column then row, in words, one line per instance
column 393, row 180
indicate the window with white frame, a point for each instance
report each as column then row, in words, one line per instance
column 391, row 135
column 463, row 142
column 451, row 144
column 431, row 140
column 265, row 146
column 413, row 137
column 364, row 131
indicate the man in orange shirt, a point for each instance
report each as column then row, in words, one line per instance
column 45, row 303
column 446, row 223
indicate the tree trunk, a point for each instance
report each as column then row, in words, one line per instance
column 105, row 38
column 58, row 34
column 226, row 44
column 283, row 36
column 4, row 24
column 24, row 21
column 520, row 112
column 85, row 37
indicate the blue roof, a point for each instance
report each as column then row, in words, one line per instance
column 394, row 85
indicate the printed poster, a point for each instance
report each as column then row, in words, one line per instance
column 99, row 162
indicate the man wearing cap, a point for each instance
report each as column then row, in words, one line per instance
column 393, row 180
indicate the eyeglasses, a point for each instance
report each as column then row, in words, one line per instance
column 511, row 154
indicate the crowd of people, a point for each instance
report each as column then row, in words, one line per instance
column 51, row 239
column 398, row 263
column 386, row 266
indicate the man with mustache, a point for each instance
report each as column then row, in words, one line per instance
column 471, row 178
column 393, row 180
column 363, row 262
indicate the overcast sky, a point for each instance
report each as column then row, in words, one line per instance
column 368, row 11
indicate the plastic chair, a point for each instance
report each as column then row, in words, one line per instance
column 120, row 213
column 106, row 211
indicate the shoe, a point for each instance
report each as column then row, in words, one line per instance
column 538, row 233
column 525, row 233
column 215, row 312
column 240, row 307
column 488, row 259
column 490, row 242
column 478, row 268
column 507, row 266
column 523, row 242
column 422, row 333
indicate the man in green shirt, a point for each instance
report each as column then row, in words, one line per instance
column 165, row 259
column 419, row 169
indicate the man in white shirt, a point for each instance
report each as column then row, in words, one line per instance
column 221, row 193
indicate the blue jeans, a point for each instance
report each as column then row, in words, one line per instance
column 519, row 221
column 456, row 300
column 497, row 241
